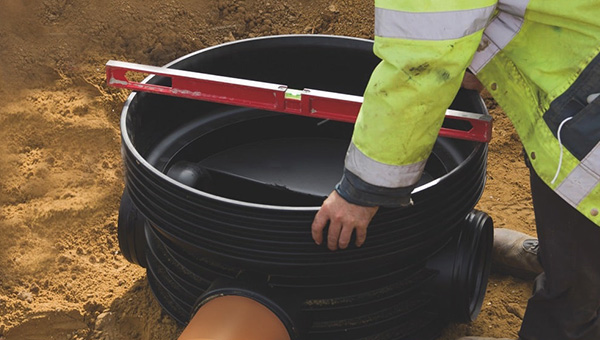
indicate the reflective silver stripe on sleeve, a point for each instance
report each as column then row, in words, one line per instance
column 513, row 7
column 500, row 31
column 584, row 178
column 381, row 174
column 430, row 25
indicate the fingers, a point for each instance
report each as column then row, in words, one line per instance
column 333, row 235
column 471, row 82
column 338, row 235
column 345, row 235
column 318, row 225
column 343, row 219
column 361, row 236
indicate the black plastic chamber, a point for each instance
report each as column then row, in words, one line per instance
column 215, row 192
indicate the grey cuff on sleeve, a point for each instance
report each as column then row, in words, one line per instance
column 356, row 191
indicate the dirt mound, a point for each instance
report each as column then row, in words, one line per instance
column 61, row 274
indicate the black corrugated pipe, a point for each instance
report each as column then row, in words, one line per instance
column 215, row 193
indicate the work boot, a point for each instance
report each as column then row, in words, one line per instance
column 482, row 338
column 515, row 253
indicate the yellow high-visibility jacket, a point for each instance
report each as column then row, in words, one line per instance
column 536, row 57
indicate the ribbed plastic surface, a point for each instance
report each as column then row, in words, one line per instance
column 193, row 236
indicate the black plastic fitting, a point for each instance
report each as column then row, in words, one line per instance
column 192, row 222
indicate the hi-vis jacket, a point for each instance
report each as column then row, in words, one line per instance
column 538, row 58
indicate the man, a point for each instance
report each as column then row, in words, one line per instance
column 539, row 59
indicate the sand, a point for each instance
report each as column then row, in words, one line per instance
column 61, row 273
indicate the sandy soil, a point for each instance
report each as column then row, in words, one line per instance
column 61, row 273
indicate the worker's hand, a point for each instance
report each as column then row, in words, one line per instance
column 343, row 218
column 470, row 82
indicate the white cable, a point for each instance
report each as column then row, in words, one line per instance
column 561, row 148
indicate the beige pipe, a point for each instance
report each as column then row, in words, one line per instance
column 234, row 318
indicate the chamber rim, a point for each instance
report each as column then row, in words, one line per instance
column 141, row 161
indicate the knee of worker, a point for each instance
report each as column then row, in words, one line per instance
column 574, row 273
column 577, row 293
column 578, row 313
column 585, row 289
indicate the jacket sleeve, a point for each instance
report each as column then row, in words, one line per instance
column 425, row 47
